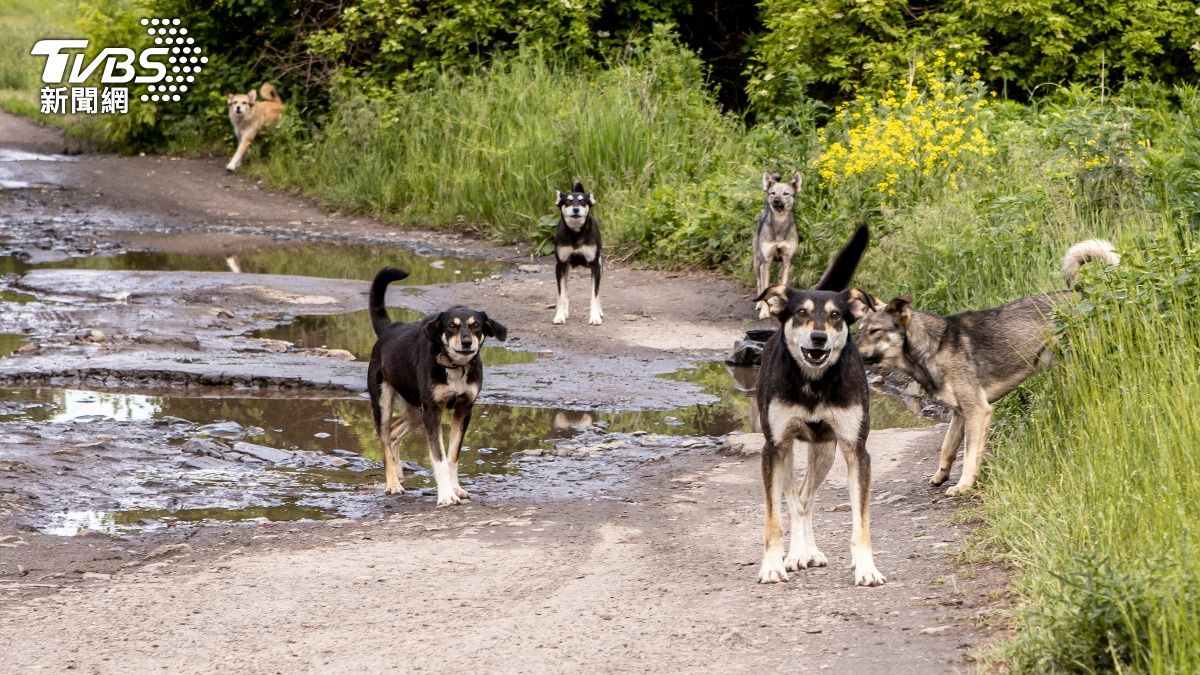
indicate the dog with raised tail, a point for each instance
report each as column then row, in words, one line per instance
column 969, row 361
column 813, row 398
column 428, row 367
column 577, row 244
column 249, row 114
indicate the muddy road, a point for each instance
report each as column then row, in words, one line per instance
column 188, row 479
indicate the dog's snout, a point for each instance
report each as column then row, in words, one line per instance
column 819, row 338
column 467, row 342
column 777, row 203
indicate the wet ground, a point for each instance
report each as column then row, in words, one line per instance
column 182, row 359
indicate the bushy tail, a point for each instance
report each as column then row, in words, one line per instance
column 841, row 269
column 1084, row 252
column 379, row 316
column 267, row 92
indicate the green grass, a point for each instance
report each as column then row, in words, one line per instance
column 23, row 22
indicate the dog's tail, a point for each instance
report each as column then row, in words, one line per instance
column 841, row 269
column 1085, row 252
column 379, row 316
column 267, row 92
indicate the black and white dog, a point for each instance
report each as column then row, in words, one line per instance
column 812, row 393
column 577, row 244
column 428, row 366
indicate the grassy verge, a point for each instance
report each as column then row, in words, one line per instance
column 23, row 22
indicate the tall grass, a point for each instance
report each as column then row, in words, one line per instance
column 1096, row 493
column 491, row 147
column 23, row 22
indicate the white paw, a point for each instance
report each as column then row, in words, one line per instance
column 448, row 498
column 866, row 575
column 596, row 318
column 959, row 490
column 939, row 477
column 231, row 167
column 394, row 490
column 461, row 493
column 560, row 318
column 772, row 571
column 802, row 560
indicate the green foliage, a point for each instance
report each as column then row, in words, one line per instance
column 835, row 47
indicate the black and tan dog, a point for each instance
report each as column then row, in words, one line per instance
column 812, row 393
column 428, row 367
column 970, row 360
column 577, row 244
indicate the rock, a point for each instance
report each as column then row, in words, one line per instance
column 205, row 447
column 29, row 348
column 412, row 467
column 266, row 454
column 169, row 550
column 337, row 462
column 227, row 430
column 529, row 269
column 90, row 335
column 532, row 452
column 913, row 389
column 277, row 346
column 630, row 317
column 203, row 463
column 438, row 264
column 96, row 576
column 935, row 630
column 342, row 354
column 321, row 434
column 742, row 445
column 841, row 508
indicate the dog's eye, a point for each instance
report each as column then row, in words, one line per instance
column 835, row 315
column 802, row 312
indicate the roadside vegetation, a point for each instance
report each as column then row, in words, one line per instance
column 979, row 141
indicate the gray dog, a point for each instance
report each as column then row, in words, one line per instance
column 775, row 237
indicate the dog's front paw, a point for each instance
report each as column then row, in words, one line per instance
column 448, row 498
column 802, row 560
column 394, row 490
column 939, row 477
column 596, row 318
column 461, row 493
column 560, row 318
column 772, row 571
column 867, row 575
column 231, row 167
column 959, row 490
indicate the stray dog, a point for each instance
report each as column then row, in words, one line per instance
column 812, row 392
column 970, row 360
column 249, row 114
column 576, row 244
column 775, row 235
column 428, row 366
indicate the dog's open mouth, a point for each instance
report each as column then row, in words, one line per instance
column 815, row 357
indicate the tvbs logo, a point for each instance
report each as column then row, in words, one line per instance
column 168, row 69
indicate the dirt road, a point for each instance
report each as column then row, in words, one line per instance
column 646, row 563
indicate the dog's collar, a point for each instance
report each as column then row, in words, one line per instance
column 445, row 362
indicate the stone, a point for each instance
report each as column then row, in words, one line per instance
column 742, row 444
column 169, row 550
column 227, row 430
column 96, row 576
column 529, row 269
column 266, row 454
column 205, row 447
column 203, row 463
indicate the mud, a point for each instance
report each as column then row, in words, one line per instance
column 182, row 351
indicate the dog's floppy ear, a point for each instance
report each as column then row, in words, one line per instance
column 253, row 96
column 768, row 180
column 899, row 308
column 777, row 298
column 432, row 328
column 860, row 302
column 796, row 181
column 841, row 269
column 494, row 328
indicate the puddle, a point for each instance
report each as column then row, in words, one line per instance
column 73, row 523
column 352, row 331
column 11, row 155
column 16, row 297
column 735, row 385
column 310, row 259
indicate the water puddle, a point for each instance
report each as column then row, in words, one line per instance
column 311, row 259
column 10, row 342
column 11, row 155
column 352, row 331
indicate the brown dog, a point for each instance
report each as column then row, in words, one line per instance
column 250, row 113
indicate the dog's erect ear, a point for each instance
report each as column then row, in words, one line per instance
column 841, row 269
column 899, row 308
column 229, row 98
column 558, row 197
column 253, row 96
column 768, row 180
column 591, row 199
column 578, row 187
column 860, row 302
column 433, row 328
column 796, row 181
column 777, row 298
column 494, row 328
